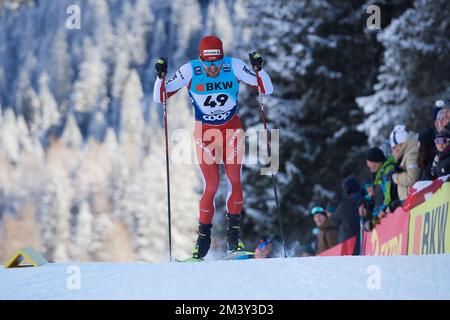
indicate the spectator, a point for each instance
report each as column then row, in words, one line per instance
column 443, row 114
column 427, row 148
column 328, row 235
column 405, row 150
column 381, row 169
column 441, row 163
column 347, row 216
column 264, row 248
column 427, row 152
column 441, row 121
column 367, row 206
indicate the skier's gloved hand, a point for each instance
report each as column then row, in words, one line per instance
column 256, row 60
column 161, row 67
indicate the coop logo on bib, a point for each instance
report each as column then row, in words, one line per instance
column 217, row 117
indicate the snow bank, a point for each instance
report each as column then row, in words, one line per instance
column 401, row 277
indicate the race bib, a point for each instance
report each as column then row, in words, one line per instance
column 214, row 103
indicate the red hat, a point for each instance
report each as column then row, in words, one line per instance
column 210, row 48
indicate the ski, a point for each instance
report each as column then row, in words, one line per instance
column 189, row 260
column 239, row 255
column 236, row 255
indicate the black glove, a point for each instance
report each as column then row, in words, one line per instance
column 256, row 60
column 161, row 67
column 397, row 168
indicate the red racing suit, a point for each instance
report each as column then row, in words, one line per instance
column 218, row 132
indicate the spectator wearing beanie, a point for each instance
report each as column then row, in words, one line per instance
column 346, row 217
column 427, row 152
column 405, row 149
column 382, row 170
column 328, row 235
column 441, row 164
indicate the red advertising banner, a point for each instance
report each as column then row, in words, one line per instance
column 345, row 248
column 390, row 237
column 418, row 197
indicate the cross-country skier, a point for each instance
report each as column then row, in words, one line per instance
column 213, row 81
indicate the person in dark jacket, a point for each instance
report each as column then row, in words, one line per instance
column 427, row 148
column 441, row 163
column 328, row 235
column 367, row 207
column 347, row 217
column 427, row 152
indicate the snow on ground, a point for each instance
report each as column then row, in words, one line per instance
column 402, row 277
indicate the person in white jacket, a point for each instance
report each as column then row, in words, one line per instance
column 405, row 149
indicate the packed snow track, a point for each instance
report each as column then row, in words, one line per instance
column 401, row 277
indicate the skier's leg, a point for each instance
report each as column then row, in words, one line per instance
column 233, row 156
column 235, row 194
column 234, row 149
column 210, row 175
column 209, row 168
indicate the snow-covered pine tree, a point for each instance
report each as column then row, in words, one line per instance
column 81, row 243
column 119, row 78
column 26, row 100
column 90, row 87
column 97, row 125
column 48, row 107
column 55, row 214
column 409, row 81
column 137, row 203
column 25, row 143
column 61, row 69
column 132, row 118
column 101, row 233
column 71, row 135
column 9, row 139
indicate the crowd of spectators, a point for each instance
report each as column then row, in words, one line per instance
column 413, row 157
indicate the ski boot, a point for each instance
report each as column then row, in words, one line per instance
column 233, row 242
column 203, row 242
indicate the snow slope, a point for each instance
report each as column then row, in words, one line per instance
column 403, row 277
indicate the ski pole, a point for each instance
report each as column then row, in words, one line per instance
column 164, row 103
column 274, row 182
